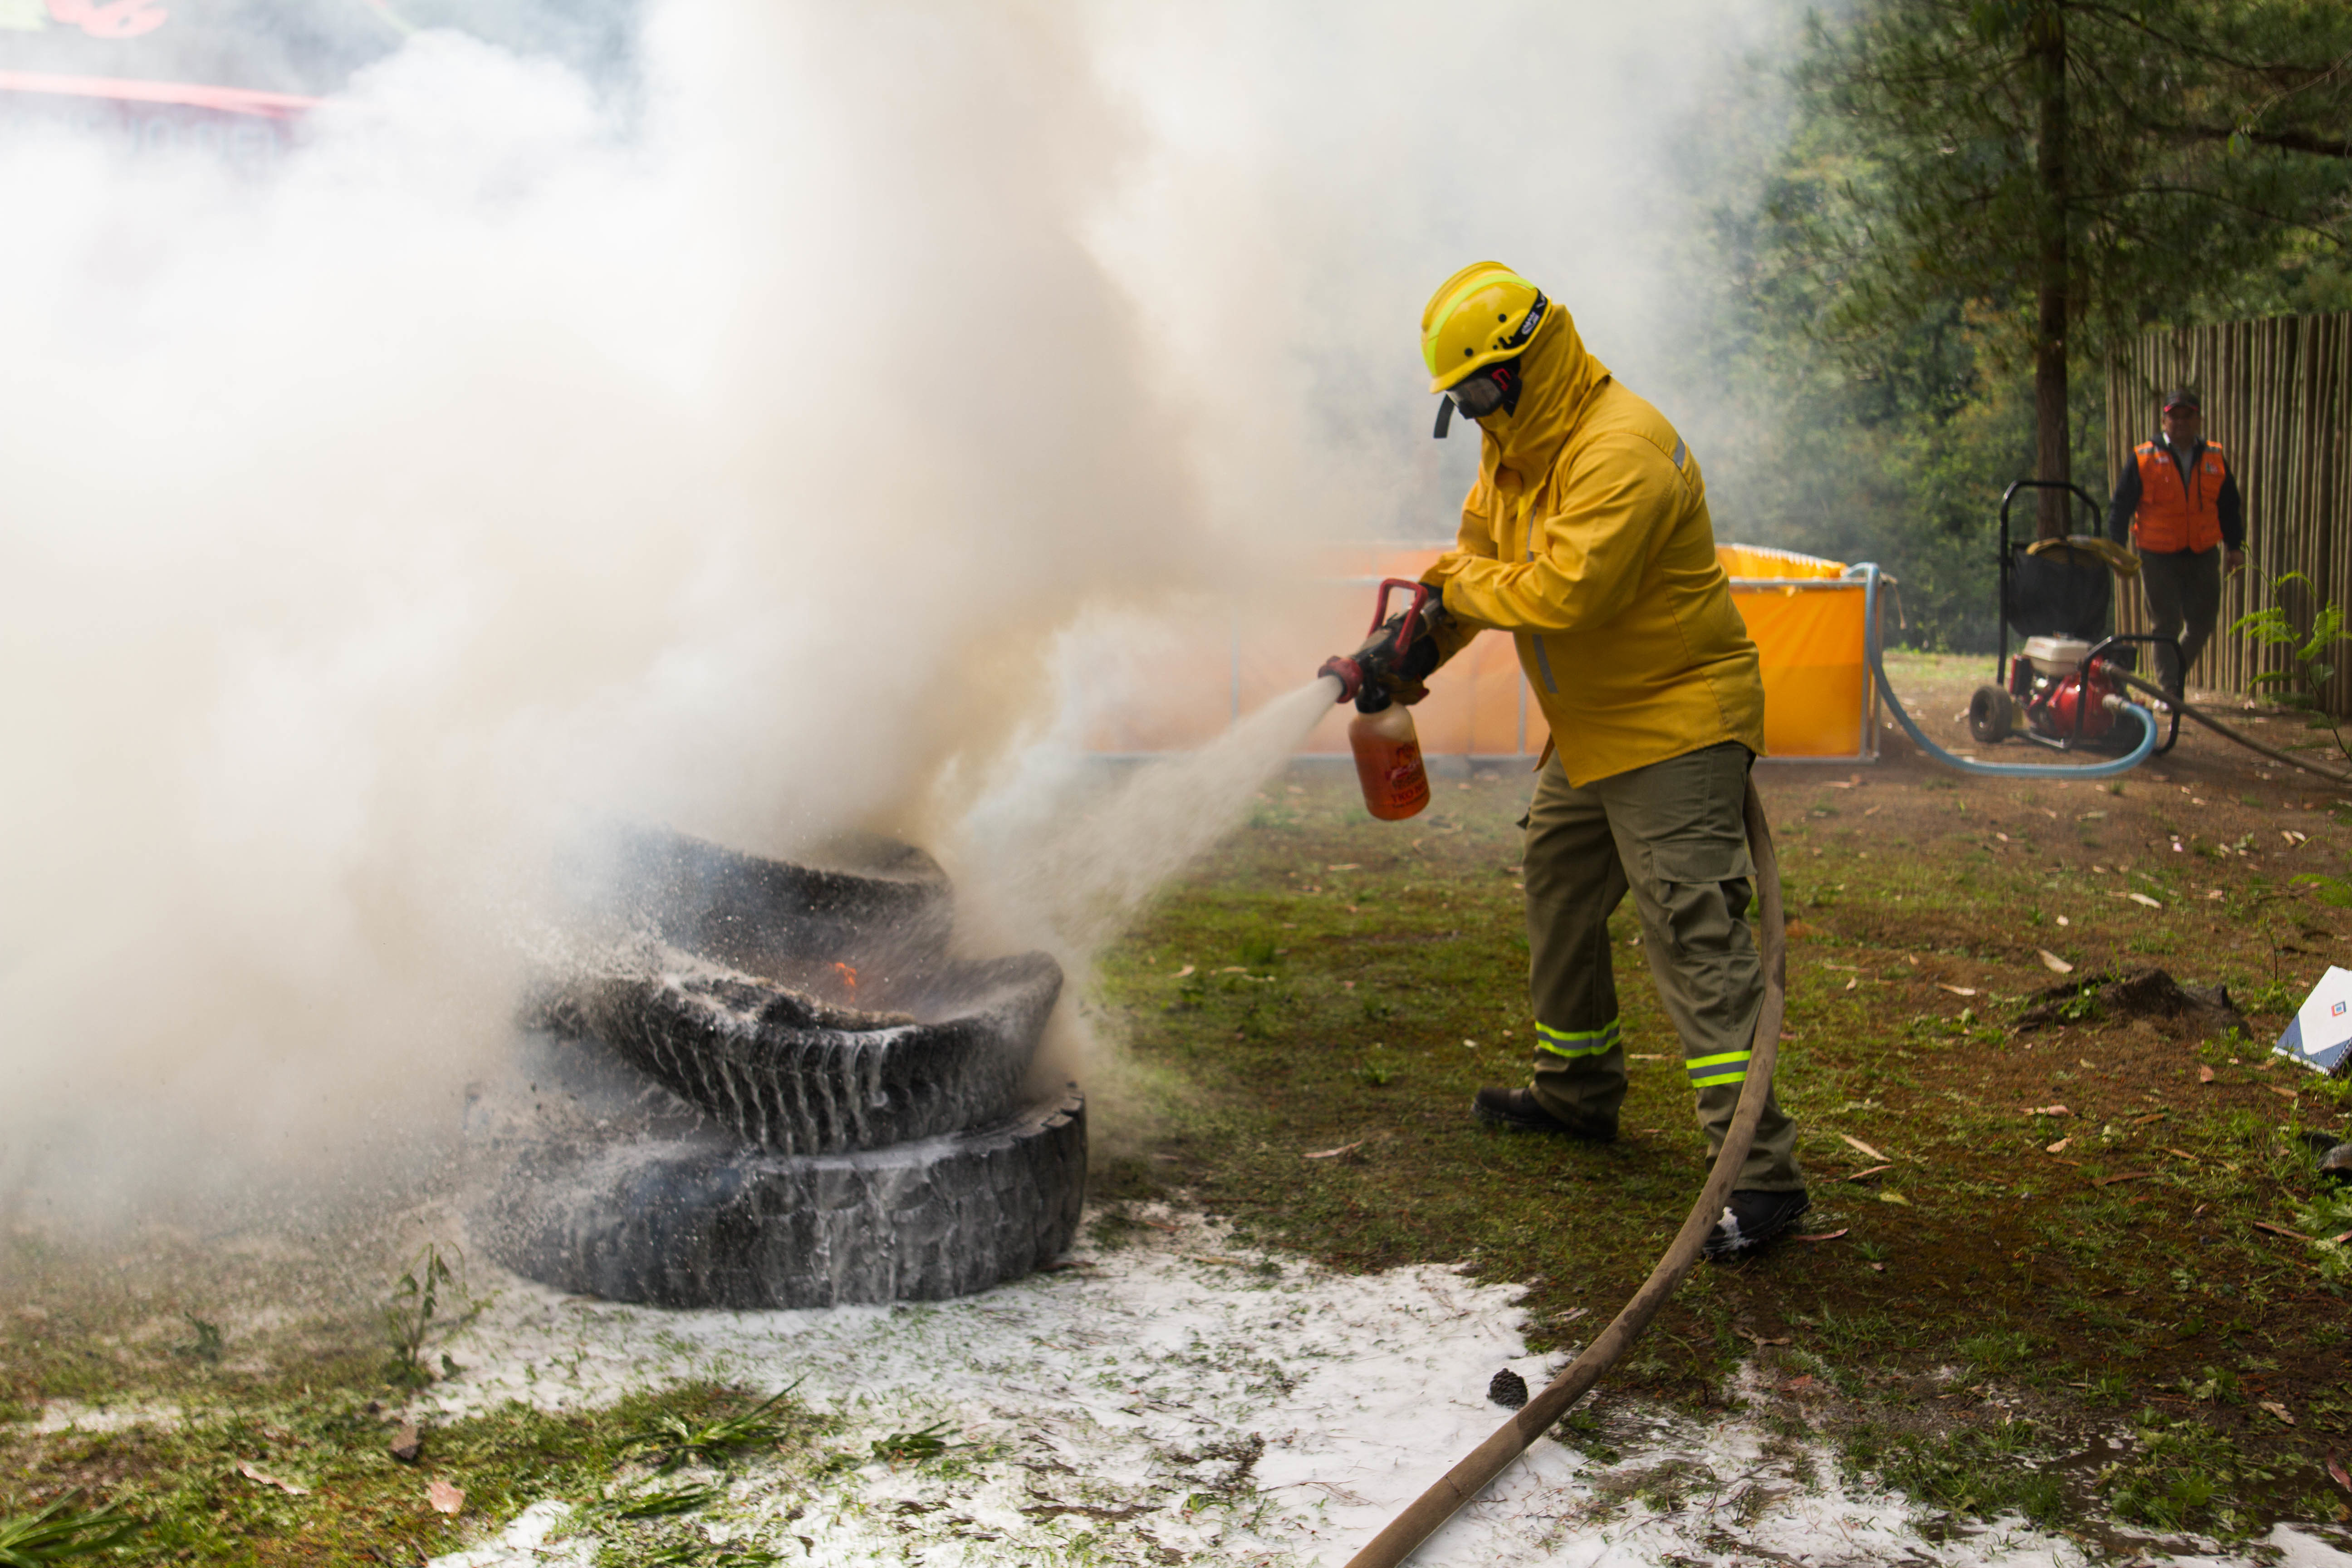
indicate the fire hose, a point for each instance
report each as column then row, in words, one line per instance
column 1465, row 1481
column 2229, row 734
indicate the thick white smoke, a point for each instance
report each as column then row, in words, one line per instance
column 503, row 464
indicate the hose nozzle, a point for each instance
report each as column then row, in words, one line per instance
column 1347, row 672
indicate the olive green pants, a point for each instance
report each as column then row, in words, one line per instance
column 1674, row 833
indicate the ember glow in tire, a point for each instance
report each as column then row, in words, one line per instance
column 794, row 1074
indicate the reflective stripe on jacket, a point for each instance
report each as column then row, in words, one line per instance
column 2173, row 517
column 1587, row 538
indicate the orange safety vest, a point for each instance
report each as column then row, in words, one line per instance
column 2173, row 518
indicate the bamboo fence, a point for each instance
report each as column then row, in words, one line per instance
column 2277, row 396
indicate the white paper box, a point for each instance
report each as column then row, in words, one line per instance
column 2319, row 1036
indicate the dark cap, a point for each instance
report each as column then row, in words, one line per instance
column 2182, row 398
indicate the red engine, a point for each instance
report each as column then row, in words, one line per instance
column 2054, row 698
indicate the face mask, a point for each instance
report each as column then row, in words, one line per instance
column 1492, row 390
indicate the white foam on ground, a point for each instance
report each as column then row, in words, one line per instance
column 1115, row 1401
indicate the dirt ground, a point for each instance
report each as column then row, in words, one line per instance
column 2066, row 1271
column 2089, row 1226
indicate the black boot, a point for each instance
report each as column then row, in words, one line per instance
column 1751, row 1219
column 1519, row 1108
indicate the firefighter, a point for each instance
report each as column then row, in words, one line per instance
column 1586, row 538
column 2181, row 503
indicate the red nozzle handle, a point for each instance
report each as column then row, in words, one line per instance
column 1422, row 593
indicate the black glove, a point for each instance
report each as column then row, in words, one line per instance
column 1402, row 675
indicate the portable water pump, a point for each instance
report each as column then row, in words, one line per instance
column 2064, row 691
column 1387, row 749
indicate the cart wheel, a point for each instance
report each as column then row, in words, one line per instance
column 1992, row 715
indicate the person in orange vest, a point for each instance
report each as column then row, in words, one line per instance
column 2181, row 503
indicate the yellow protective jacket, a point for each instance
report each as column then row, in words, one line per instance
column 1587, row 538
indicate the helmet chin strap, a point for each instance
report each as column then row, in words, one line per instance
column 1444, row 416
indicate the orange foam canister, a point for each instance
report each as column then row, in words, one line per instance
column 1387, row 763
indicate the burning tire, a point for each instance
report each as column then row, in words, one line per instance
column 794, row 1074
column 622, row 1191
column 875, row 901
column 754, row 1084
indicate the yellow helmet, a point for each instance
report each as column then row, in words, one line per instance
column 1483, row 314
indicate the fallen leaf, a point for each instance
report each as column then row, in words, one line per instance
column 1878, row 1269
column 2059, row 1147
column 1956, row 990
column 1911, row 959
column 1874, row 1171
column 408, row 1444
column 264, row 1477
column 2213, row 893
column 2002, row 837
column 2275, row 1408
column 2185, row 1154
column 1797, row 1384
column 1852, row 984
column 1758, row 1339
column 1183, row 971
column 1334, row 1153
column 1895, row 1198
column 444, row 1498
column 2280, row 1230
column 2054, row 963
column 1162, row 1224
column 1350, row 866
column 1572, row 1314
column 2204, row 1075
column 1872, row 812
column 1838, row 784
column 2127, row 1176
column 1646, row 1056
column 2336, row 1472
column 2280, row 1088
column 1826, row 1235
column 1857, row 1144
column 2139, row 897
column 2047, row 1111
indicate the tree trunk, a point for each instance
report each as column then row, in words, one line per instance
column 2046, row 59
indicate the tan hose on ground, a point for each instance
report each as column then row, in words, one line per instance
column 1465, row 1481
column 2229, row 734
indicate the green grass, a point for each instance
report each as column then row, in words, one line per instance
column 1369, row 1004
column 180, row 1487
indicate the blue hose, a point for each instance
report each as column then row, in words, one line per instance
column 2121, row 764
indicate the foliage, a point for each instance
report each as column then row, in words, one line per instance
column 2068, row 172
column 1862, row 266
column 928, row 1443
column 2182, row 1474
column 718, row 1439
column 2328, row 1221
column 2300, row 683
column 417, row 1300
column 58, row 1533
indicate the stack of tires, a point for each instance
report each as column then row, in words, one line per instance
column 769, row 1085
